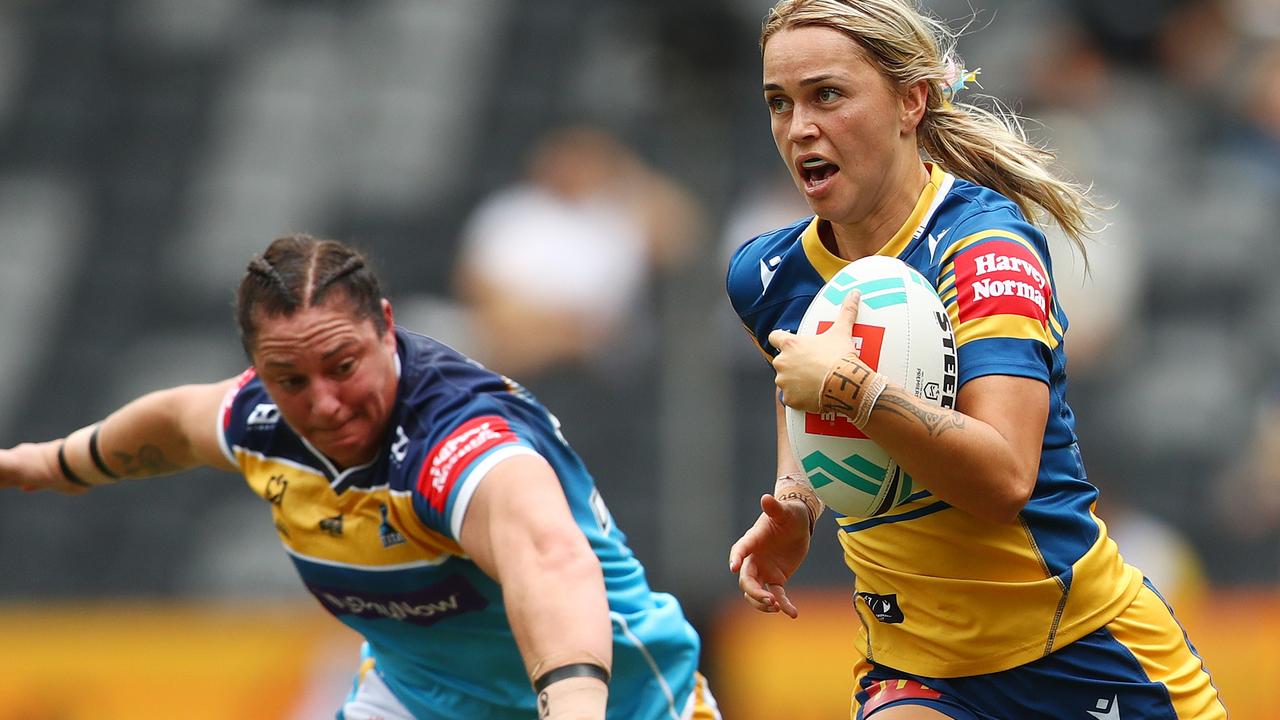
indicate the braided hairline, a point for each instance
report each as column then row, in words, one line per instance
column 294, row 272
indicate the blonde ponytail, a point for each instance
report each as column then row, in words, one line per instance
column 991, row 149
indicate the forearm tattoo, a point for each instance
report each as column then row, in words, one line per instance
column 936, row 421
column 851, row 389
column 148, row 460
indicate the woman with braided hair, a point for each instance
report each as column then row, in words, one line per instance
column 993, row 591
column 428, row 503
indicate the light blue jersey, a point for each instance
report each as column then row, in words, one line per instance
column 378, row 544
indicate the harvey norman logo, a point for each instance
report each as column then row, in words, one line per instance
column 991, row 287
column 452, row 454
column 1001, row 277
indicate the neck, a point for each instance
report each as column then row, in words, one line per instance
column 864, row 237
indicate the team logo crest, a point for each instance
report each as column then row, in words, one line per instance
column 275, row 489
column 387, row 532
column 332, row 525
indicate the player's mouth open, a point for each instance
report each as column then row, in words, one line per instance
column 816, row 171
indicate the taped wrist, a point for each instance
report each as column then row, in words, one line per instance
column 852, row 389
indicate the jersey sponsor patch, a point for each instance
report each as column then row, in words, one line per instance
column 425, row 606
column 1001, row 277
column 446, row 461
column 867, row 340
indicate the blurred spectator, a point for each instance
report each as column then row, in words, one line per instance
column 1246, row 516
column 556, row 268
column 556, row 275
column 768, row 203
column 1252, row 143
column 1164, row 553
column 1197, row 46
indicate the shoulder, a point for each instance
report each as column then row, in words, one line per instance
column 444, row 393
column 753, row 264
column 438, row 383
column 979, row 211
column 247, row 404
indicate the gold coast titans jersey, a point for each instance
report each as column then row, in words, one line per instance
column 940, row 592
column 378, row 546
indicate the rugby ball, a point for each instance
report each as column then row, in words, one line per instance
column 902, row 331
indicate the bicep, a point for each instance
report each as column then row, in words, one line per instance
column 1016, row 407
column 518, row 506
column 199, row 421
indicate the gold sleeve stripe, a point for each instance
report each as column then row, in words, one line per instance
column 977, row 237
column 1002, row 326
column 1054, row 325
column 947, row 285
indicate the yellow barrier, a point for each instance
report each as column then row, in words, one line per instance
column 139, row 662
column 765, row 667
column 285, row 662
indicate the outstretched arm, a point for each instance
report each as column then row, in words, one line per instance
column 157, row 434
column 770, row 552
column 519, row 530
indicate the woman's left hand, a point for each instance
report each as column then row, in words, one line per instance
column 803, row 362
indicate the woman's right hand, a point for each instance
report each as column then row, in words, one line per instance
column 34, row 466
column 770, row 552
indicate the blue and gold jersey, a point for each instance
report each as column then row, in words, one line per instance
column 940, row 592
column 378, row 546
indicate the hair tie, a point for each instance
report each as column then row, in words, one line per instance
column 954, row 79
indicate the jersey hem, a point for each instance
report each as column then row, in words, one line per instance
column 1065, row 635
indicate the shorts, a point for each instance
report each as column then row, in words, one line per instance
column 371, row 699
column 1139, row 666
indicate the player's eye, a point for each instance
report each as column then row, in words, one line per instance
column 292, row 382
column 345, row 368
column 827, row 94
column 778, row 104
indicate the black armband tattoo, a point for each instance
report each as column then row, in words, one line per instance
column 572, row 670
column 95, row 452
column 67, row 472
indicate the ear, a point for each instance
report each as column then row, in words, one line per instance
column 390, row 319
column 914, row 101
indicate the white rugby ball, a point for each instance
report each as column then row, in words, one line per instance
column 902, row 331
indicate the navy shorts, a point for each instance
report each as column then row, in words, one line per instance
column 1139, row 666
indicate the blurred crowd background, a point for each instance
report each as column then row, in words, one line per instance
column 555, row 188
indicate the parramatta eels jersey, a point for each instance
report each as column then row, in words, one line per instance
column 939, row 592
column 378, row 544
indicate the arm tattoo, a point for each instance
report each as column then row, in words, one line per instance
column 935, row 420
column 148, row 460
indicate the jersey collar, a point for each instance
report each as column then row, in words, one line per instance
column 828, row 263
